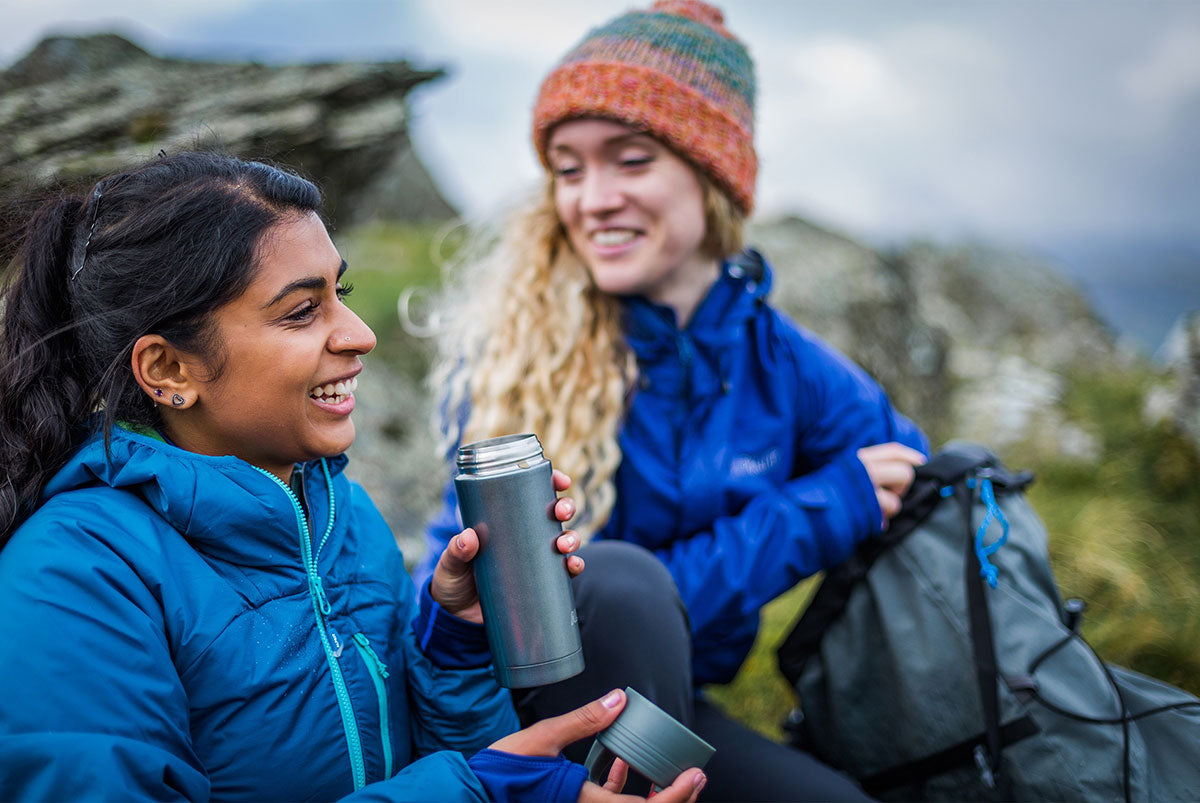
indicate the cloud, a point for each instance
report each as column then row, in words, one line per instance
column 844, row 81
column 537, row 31
column 885, row 118
column 1166, row 77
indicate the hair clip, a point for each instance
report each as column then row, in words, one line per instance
column 99, row 191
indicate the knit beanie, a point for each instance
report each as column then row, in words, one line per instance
column 674, row 71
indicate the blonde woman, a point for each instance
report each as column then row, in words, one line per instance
column 722, row 453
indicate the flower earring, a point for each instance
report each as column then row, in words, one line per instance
column 158, row 393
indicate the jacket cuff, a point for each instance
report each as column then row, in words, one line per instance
column 507, row 776
column 842, row 496
column 450, row 642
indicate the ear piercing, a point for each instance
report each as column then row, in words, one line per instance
column 177, row 400
column 158, row 393
column 347, row 340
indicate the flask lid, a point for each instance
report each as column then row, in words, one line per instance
column 500, row 454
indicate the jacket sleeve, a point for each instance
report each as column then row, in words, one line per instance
column 489, row 775
column 92, row 706
column 451, row 661
column 727, row 572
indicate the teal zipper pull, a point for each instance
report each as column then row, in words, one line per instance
column 380, row 666
column 318, row 591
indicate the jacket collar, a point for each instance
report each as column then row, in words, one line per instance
column 669, row 357
column 222, row 505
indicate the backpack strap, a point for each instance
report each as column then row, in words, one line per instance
column 956, row 755
column 984, row 648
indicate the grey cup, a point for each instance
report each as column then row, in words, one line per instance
column 505, row 492
column 650, row 741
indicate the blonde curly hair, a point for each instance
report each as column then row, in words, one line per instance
column 530, row 344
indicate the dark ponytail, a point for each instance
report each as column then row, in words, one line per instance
column 154, row 250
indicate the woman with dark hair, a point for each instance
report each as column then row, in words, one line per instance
column 197, row 602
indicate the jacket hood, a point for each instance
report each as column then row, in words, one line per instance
column 220, row 504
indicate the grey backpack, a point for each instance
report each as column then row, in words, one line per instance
column 940, row 663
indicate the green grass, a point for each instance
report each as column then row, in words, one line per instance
column 1125, row 533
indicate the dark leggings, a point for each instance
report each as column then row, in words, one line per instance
column 635, row 633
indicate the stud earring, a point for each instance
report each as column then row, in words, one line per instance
column 177, row 400
column 158, row 393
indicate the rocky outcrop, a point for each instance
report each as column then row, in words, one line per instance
column 972, row 342
column 76, row 108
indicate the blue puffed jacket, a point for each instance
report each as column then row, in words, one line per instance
column 172, row 627
column 739, row 466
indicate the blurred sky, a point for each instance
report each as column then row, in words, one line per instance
column 1065, row 126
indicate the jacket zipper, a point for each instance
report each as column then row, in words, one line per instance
column 321, row 609
column 378, row 672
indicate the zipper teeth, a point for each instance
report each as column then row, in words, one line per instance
column 353, row 740
column 332, row 510
column 378, row 671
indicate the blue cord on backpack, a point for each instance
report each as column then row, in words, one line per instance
column 987, row 570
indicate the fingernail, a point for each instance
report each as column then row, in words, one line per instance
column 612, row 699
column 698, row 781
column 571, row 541
column 461, row 543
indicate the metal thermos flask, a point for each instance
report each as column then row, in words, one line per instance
column 506, row 493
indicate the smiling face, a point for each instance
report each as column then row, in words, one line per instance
column 290, row 358
column 633, row 211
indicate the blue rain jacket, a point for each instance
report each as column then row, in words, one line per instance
column 739, row 466
column 171, row 628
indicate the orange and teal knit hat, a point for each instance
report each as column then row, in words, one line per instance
column 673, row 70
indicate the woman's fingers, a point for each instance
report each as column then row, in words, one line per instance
column 453, row 582
column 549, row 736
column 561, row 481
column 892, row 469
column 618, row 773
column 891, row 465
column 685, row 789
column 458, row 554
column 894, row 475
column 568, row 542
column 889, row 502
column 564, row 508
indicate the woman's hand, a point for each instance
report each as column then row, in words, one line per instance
column 453, row 584
column 550, row 736
column 891, row 467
